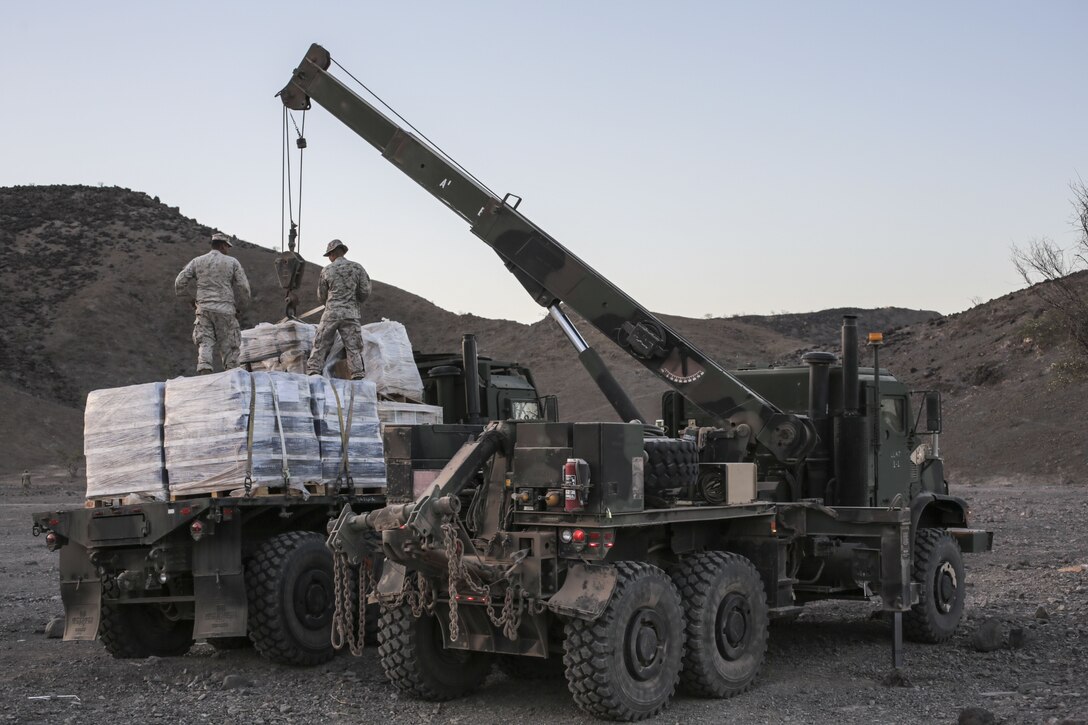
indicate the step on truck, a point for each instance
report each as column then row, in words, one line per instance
column 153, row 577
column 634, row 559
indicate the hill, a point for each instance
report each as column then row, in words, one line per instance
column 87, row 276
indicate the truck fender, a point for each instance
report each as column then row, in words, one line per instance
column 586, row 591
column 930, row 509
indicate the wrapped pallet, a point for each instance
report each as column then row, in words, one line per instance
column 346, row 416
column 389, row 363
column 390, row 413
column 222, row 429
column 122, row 442
column 269, row 341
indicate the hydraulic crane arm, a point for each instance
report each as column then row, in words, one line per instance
column 552, row 274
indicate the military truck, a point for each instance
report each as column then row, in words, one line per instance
column 150, row 578
column 644, row 556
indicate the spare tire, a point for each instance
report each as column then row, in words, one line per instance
column 672, row 467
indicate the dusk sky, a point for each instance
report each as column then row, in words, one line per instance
column 707, row 157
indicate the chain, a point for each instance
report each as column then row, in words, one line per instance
column 345, row 628
column 513, row 606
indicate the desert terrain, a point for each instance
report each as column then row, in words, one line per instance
column 1014, row 443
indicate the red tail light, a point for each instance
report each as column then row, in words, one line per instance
column 51, row 541
column 197, row 530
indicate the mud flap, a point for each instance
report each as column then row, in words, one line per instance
column 81, row 593
column 585, row 592
column 392, row 581
column 219, row 586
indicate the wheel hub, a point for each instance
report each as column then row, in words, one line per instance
column 644, row 650
column 312, row 599
column 733, row 626
column 946, row 585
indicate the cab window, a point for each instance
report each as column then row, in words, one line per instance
column 892, row 412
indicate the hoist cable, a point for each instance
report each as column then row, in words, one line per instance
column 301, row 151
column 287, row 155
column 283, row 187
column 435, row 147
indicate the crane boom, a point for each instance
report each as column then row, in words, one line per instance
column 552, row 274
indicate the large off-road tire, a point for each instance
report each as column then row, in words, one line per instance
column 725, row 610
column 289, row 583
column 672, row 466
column 416, row 661
column 531, row 668
column 938, row 567
column 135, row 631
column 625, row 664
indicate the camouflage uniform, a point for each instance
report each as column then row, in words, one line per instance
column 218, row 277
column 26, row 480
column 344, row 287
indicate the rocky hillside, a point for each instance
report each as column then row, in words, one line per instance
column 87, row 277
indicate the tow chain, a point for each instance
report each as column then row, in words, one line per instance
column 347, row 629
column 513, row 605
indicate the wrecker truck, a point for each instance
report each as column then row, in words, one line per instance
column 636, row 557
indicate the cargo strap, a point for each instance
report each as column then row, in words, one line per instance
column 344, row 474
column 248, row 483
column 279, row 428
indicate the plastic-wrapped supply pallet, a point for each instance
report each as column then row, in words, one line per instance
column 291, row 361
column 219, row 427
column 267, row 341
column 389, row 363
column 348, row 410
column 409, row 413
column 122, row 441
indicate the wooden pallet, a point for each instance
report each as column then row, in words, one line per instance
column 315, row 489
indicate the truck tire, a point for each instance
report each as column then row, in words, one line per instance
column 725, row 608
column 672, row 466
column 938, row 566
column 518, row 667
column 136, row 631
column 417, row 662
column 625, row 664
column 289, row 585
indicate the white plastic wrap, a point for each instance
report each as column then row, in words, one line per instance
column 207, row 431
column 351, row 406
column 390, row 413
column 122, row 441
column 291, row 361
column 268, row 340
column 389, row 363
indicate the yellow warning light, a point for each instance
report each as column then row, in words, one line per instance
column 876, row 338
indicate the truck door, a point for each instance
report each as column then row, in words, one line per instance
column 894, row 465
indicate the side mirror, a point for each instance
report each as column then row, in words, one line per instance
column 550, row 405
column 933, row 412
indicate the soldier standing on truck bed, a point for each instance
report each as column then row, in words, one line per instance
column 344, row 287
column 220, row 283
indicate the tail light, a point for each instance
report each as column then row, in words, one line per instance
column 52, row 541
column 196, row 529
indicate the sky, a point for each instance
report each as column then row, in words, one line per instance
column 709, row 158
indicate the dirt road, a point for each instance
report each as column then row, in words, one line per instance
column 830, row 665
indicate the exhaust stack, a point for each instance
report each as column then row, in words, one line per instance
column 470, row 359
column 851, row 433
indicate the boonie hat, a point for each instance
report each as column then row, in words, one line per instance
column 333, row 246
column 221, row 237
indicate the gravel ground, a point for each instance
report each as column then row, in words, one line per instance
column 832, row 664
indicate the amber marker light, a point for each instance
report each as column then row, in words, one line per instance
column 876, row 338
